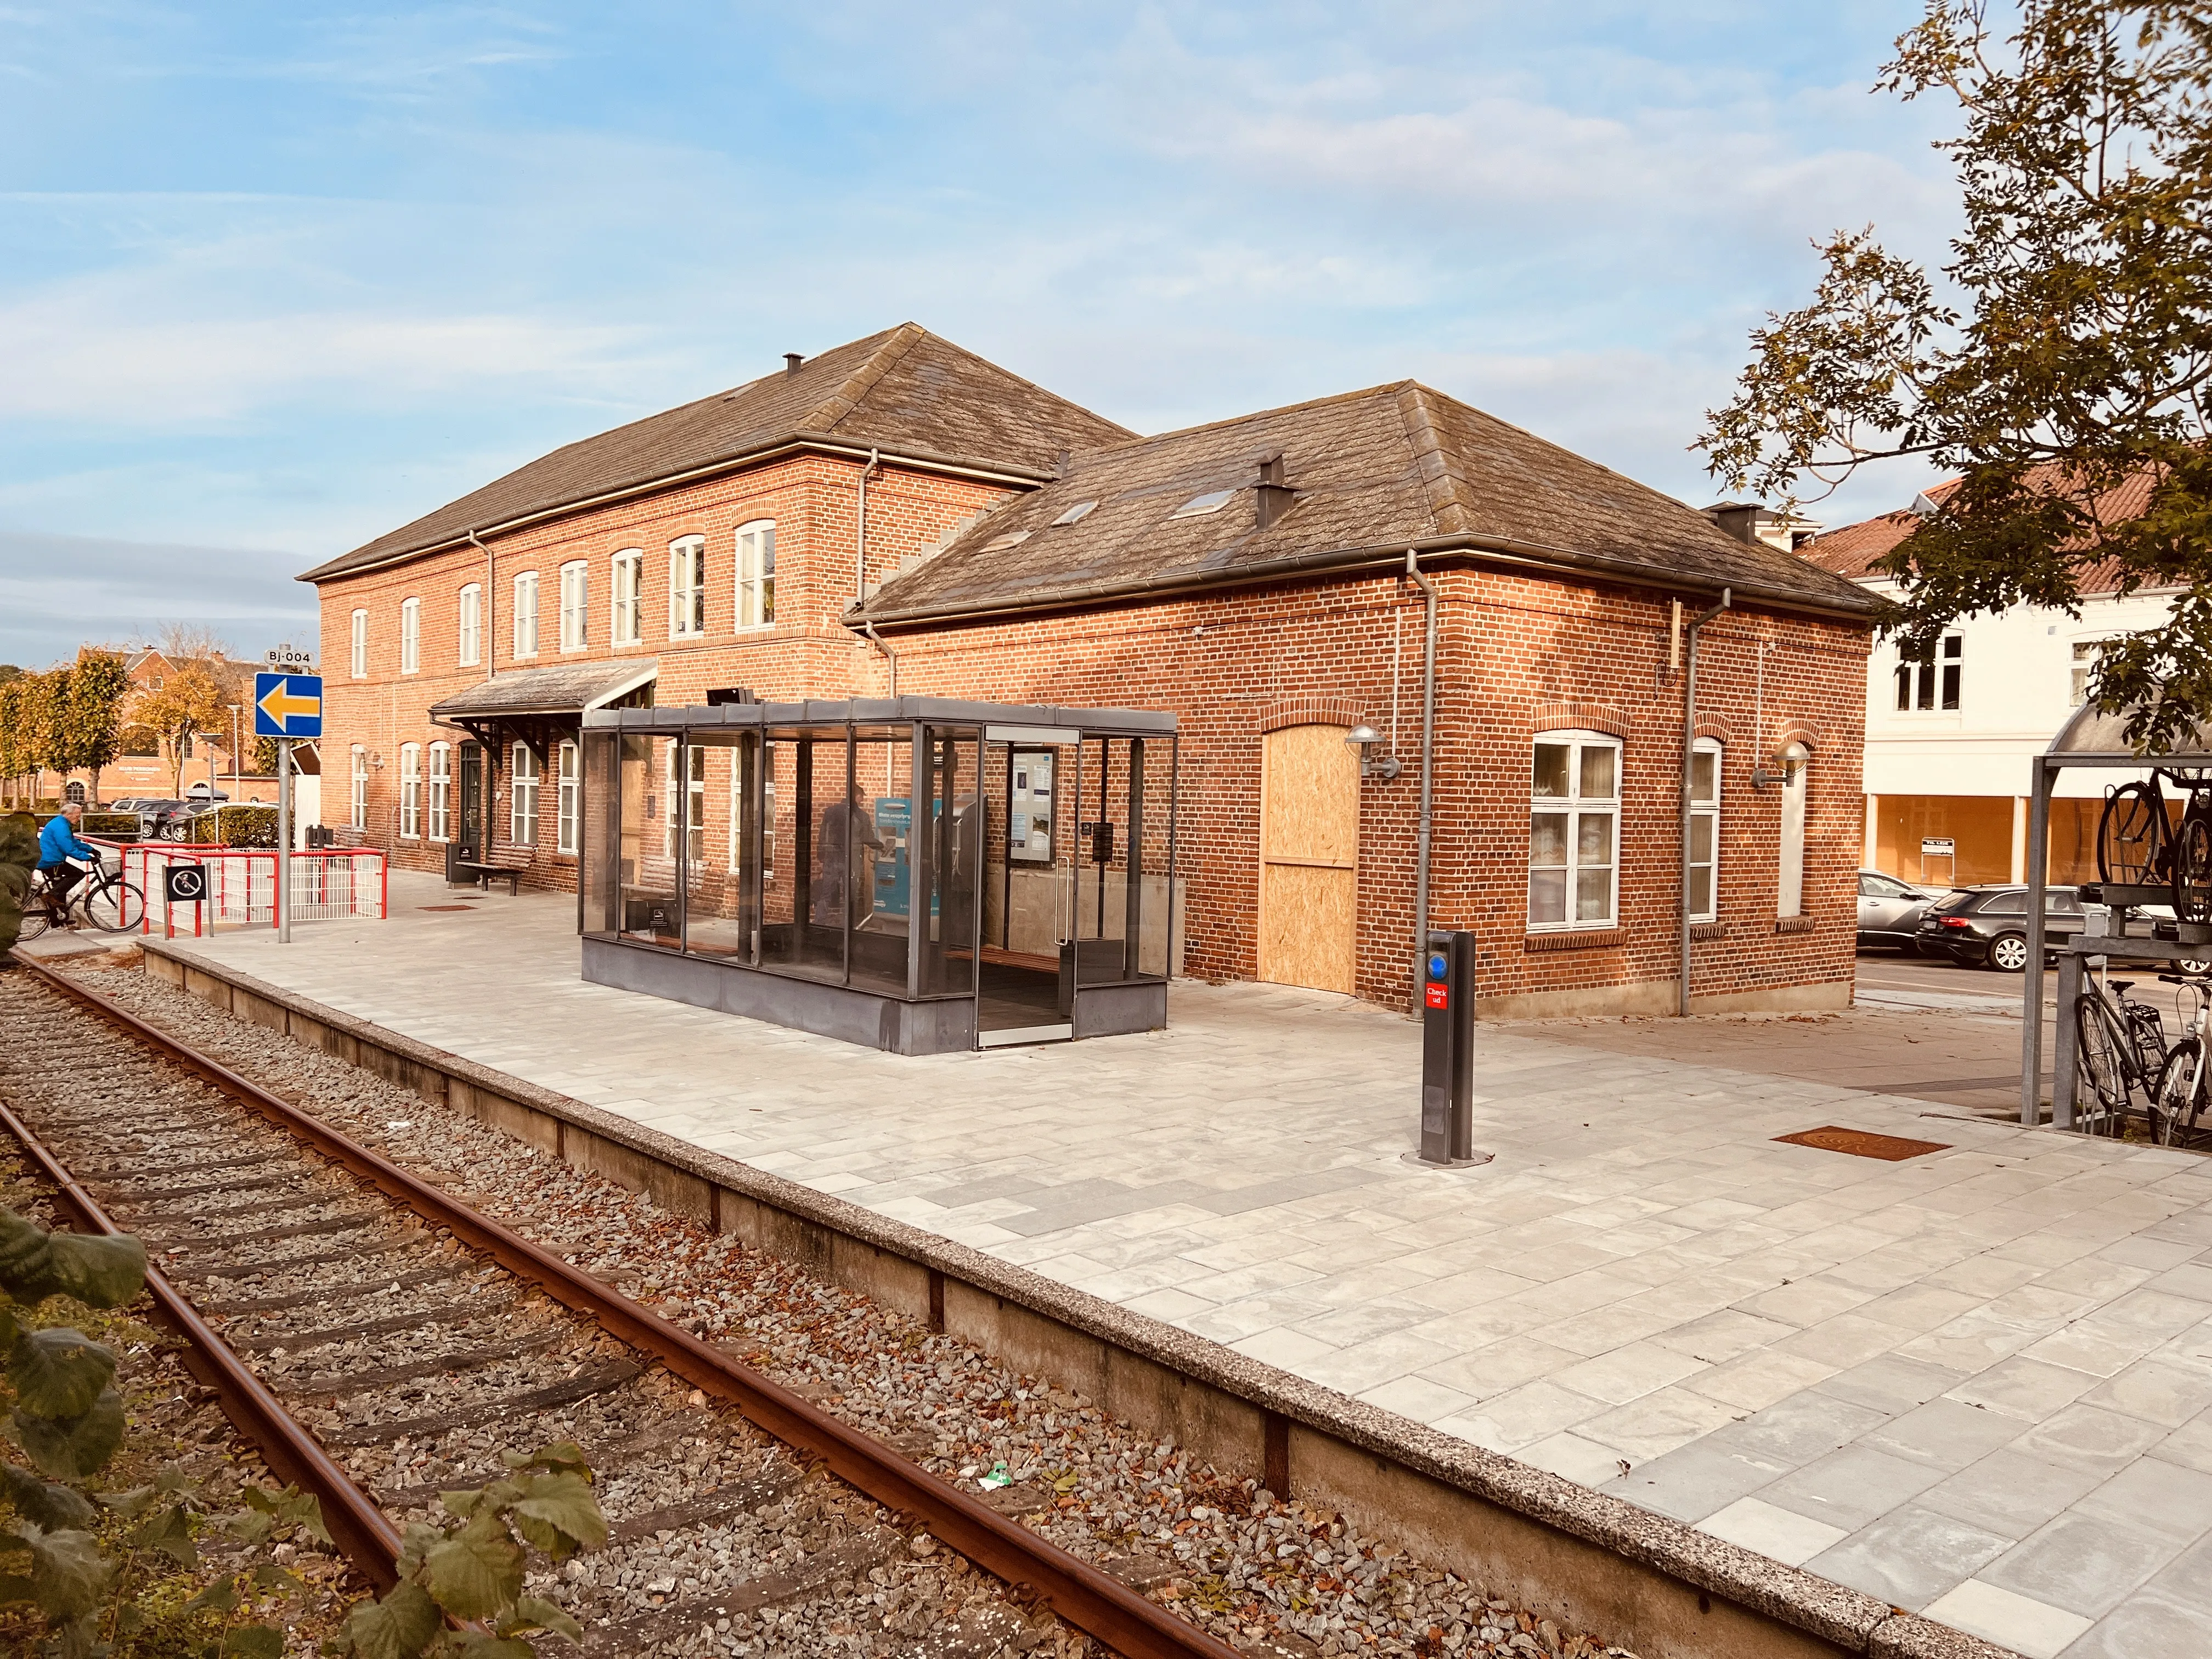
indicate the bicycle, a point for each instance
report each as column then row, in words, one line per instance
column 2178, row 1101
column 2139, row 844
column 2119, row 1047
column 106, row 902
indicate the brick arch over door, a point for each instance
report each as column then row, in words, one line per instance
column 1309, row 858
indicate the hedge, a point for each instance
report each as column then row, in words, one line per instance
column 238, row 826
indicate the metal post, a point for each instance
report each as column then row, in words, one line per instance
column 284, row 840
column 2031, row 1020
column 2065, row 1063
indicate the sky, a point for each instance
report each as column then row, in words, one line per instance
column 275, row 279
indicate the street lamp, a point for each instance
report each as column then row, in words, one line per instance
column 233, row 749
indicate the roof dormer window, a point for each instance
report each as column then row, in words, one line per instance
column 1075, row 514
column 1199, row 506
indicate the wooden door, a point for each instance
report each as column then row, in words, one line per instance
column 1309, row 857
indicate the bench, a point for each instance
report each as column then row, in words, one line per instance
column 501, row 861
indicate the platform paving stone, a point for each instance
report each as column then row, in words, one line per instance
column 1977, row 1383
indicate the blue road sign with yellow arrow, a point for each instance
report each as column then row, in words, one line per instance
column 287, row 705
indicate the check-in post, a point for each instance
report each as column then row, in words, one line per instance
column 1448, row 1051
column 286, row 706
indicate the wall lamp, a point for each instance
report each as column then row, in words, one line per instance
column 1364, row 737
column 1791, row 755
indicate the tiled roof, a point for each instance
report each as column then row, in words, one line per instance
column 1851, row 550
column 1374, row 472
column 568, row 688
column 905, row 392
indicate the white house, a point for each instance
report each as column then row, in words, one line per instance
column 1948, row 737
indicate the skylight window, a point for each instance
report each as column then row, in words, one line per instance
column 1198, row 506
column 1000, row 544
column 1075, row 514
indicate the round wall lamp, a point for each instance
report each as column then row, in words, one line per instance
column 1791, row 755
column 1363, row 739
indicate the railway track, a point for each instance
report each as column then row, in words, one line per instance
column 380, row 1341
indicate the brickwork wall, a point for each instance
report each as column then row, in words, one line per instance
column 1515, row 655
column 814, row 502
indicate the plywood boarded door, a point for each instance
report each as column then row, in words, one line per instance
column 1309, row 857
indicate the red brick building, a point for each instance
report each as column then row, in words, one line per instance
column 898, row 515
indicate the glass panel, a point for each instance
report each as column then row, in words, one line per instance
column 876, row 856
column 1594, row 838
column 646, row 871
column 1593, row 894
column 1701, row 889
column 948, row 865
column 1597, row 772
column 1547, row 895
column 1701, row 838
column 809, row 905
column 719, row 917
column 1550, row 775
column 1950, row 685
column 1547, row 839
column 1154, row 759
column 1705, row 774
column 600, row 864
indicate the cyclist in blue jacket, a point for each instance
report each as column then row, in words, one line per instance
column 58, row 843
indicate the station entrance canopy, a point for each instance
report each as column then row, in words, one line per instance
column 916, row 874
column 540, row 707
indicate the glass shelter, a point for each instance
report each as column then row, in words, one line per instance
column 916, row 874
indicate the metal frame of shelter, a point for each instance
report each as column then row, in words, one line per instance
column 869, row 890
column 2096, row 740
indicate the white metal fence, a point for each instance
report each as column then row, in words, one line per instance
column 239, row 886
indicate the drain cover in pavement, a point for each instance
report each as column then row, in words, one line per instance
column 445, row 906
column 1859, row 1143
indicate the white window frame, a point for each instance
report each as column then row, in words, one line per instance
column 1934, row 684
column 687, row 588
column 357, row 790
column 697, row 795
column 522, row 796
column 360, row 641
column 411, row 636
column 575, row 602
column 1790, row 874
column 757, row 575
column 470, row 651
column 568, row 781
column 626, row 597
column 2086, row 655
column 441, row 791
column 410, row 791
column 1575, row 805
column 1705, row 808
column 525, row 614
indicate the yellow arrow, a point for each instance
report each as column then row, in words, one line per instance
column 280, row 705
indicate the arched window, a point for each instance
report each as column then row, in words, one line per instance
column 411, row 791
column 441, row 791
column 411, row 636
column 525, row 614
column 522, row 826
column 574, row 599
column 471, row 640
column 687, row 588
column 73, row 790
column 1704, row 863
column 1574, row 830
column 360, row 647
column 756, row 573
column 569, row 779
column 626, row 616
column 357, row 793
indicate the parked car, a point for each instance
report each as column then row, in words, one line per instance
column 1987, row 926
column 205, row 791
column 173, row 821
column 1890, row 911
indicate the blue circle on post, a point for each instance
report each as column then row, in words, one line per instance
column 1438, row 968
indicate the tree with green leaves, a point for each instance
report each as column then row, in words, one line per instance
column 15, row 761
column 92, row 714
column 2058, row 363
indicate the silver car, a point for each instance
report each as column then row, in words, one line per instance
column 1890, row 911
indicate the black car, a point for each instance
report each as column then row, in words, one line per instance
column 1987, row 926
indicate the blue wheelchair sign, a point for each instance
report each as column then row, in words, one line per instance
column 287, row 705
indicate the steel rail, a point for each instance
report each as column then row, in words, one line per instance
column 355, row 1524
column 1078, row 1592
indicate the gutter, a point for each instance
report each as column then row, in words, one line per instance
column 800, row 443
column 890, row 655
column 1682, row 807
column 1428, row 762
column 486, row 644
column 860, row 537
column 1494, row 549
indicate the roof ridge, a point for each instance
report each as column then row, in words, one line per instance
column 1446, row 511
column 1387, row 386
column 896, row 343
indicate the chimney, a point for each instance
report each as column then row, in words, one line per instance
column 1762, row 526
column 792, row 359
column 1274, row 497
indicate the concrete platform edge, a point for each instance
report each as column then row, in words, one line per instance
column 1585, row 1559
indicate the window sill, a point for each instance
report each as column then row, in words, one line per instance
column 1573, row 939
column 1793, row 924
column 1704, row 930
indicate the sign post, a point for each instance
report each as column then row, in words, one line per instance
column 286, row 706
column 1447, row 975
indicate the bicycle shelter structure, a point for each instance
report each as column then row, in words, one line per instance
column 2095, row 739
